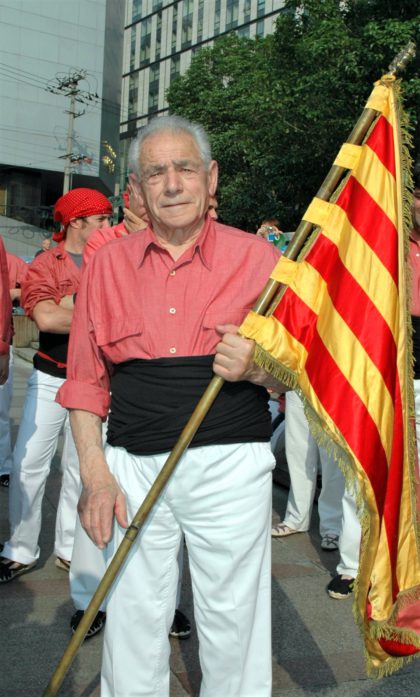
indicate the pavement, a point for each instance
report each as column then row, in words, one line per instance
column 317, row 649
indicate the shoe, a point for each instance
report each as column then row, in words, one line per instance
column 181, row 626
column 4, row 480
column 282, row 530
column 10, row 569
column 62, row 564
column 329, row 542
column 95, row 627
column 340, row 588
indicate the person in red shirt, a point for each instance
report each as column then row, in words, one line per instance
column 17, row 269
column 5, row 316
column 47, row 296
column 135, row 220
column 156, row 313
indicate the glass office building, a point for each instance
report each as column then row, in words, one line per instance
column 160, row 39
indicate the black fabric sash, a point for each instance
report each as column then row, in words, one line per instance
column 152, row 400
column 416, row 345
column 54, row 346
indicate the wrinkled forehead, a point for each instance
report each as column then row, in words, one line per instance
column 168, row 146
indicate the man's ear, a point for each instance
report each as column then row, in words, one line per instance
column 213, row 177
column 76, row 223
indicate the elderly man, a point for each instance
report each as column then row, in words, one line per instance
column 149, row 318
column 47, row 296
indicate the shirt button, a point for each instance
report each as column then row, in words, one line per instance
column 172, row 273
column 172, row 349
column 172, row 310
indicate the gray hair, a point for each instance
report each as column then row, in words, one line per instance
column 173, row 123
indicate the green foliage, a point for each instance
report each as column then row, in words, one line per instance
column 277, row 109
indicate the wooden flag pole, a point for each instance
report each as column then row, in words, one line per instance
column 261, row 307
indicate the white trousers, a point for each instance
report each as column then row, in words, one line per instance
column 303, row 458
column 40, row 426
column 6, row 392
column 349, row 541
column 220, row 498
column 88, row 566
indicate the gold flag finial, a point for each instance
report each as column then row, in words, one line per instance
column 402, row 58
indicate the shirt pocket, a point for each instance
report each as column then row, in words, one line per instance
column 119, row 331
column 224, row 315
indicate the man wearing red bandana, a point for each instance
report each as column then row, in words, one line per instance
column 48, row 298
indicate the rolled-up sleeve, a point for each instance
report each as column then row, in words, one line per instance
column 40, row 283
column 87, row 384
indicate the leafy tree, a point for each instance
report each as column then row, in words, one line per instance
column 277, row 109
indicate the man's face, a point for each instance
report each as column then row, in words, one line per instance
column 91, row 223
column 136, row 202
column 416, row 209
column 213, row 206
column 174, row 185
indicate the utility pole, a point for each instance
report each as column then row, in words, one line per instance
column 69, row 87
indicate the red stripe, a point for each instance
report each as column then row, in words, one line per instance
column 371, row 223
column 297, row 317
column 347, row 410
column 381, row 141
column 356, row 308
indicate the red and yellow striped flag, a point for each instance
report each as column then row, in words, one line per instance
column 340, row 336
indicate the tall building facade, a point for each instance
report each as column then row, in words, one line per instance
column 60, row 88
column 160, row 39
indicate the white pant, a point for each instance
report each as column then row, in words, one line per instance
column 349, row 542
column 40, row 426
column 220, row 497
column 303, row 457
column 6, row 392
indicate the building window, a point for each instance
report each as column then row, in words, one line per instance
column 243, row 32
column 247, row 10
column 154, row 75
column 232, row 11
column 137, row 10
column 145, row 42
column 133, row 48
column 260, row 28
column 133, row 94
column 187, row 23
column 174, row 27
column 158, row 36
column 157, row 5
column 200, row 17
column 260, row 8
column 217, row 18
column 175, row 67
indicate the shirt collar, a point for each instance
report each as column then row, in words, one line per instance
column 204, row 245
column 59, row 250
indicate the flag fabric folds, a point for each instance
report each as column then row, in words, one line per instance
column 340, row 336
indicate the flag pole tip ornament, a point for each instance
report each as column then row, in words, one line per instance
column 340, row 334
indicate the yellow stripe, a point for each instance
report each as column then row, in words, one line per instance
column 378, row 182
column 365, row 267
column 348, row 353
column 274, row 338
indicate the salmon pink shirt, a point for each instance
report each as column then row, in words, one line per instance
column 135, row 301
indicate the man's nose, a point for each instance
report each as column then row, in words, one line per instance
column 173, row 181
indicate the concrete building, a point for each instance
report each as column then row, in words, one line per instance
column 160, row 39
column 60, row 86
